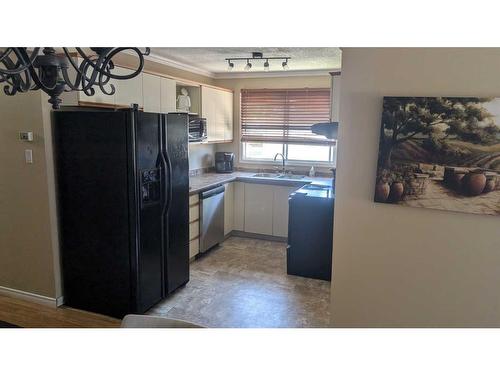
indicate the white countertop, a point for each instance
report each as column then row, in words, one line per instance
column 206, row 181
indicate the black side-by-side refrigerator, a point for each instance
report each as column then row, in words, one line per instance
column 123, row 202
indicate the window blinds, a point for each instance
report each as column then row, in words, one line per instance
column 284, row 115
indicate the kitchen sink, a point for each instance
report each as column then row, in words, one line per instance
column 280, row 176
column 291, row 176
column 268, row 175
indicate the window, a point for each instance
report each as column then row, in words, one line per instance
column 279, row 121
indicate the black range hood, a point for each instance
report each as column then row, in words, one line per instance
column 327, row 129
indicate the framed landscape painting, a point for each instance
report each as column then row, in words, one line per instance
column 441, row 153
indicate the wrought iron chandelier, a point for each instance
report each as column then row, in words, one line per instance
column 24, row 69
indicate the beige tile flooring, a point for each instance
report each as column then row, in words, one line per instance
column 243, row 283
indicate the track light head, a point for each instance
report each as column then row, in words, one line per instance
column 266, row 66
column 284, row 64
column 248, row 66
column 230, row 65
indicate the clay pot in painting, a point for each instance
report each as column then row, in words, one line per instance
column 396, row 193
column 491, row 183
column 382, row 191
column 456, row 180
column 474, row 182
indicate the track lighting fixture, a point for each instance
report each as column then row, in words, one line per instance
column 266, row 66
column 248, row 66
column 257, row 56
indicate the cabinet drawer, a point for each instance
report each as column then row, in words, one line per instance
column 194, row 213
column 194, row 248
column 193, row 199
column 194, row 230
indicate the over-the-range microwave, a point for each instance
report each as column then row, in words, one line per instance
column 197, row 129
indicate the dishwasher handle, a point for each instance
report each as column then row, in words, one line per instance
column 212, row 192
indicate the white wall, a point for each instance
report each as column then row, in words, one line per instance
column 28, row 236
column 201, row 156
column 402, row 266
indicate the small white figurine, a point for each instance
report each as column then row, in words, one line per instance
column 183, row 101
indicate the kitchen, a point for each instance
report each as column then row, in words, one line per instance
column 232, row 268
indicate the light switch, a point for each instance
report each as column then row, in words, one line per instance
column 28, row 156
column 26, row 136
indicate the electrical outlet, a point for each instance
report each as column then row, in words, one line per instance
column 26, row 136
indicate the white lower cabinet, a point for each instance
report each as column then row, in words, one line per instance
column 239, row 206
column 194, row 225
column 259, row 208
column 228, row 208
column 280, row 209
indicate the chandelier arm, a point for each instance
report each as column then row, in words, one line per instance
column 102, row 69
column 94, row 76
column 5, row 53
column 137, row 71
column 20, row 66
column 73, row 64
column 103, row 80
column 71, row 86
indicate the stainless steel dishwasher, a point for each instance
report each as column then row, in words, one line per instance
column 212, row 218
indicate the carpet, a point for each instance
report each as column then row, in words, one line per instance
column 7, row 325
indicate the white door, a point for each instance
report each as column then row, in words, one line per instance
column 151, row 91
column 280, row 209
column 168, row 95
column 259, row 208
column 128, row 91
column 228, row 208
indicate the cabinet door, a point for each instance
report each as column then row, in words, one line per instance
column 228, row 115
column 219, row 115
column 151, row 92
column 168, row 95
column 208, row 111
column 280, row 209
column 239, row 206
column 259, row 208
column 128, row 91
column 228, row 208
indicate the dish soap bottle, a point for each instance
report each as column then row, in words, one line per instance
column 312, row 172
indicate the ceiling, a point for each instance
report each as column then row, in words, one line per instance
column 211, row 61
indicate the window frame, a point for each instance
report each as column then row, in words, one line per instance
column 291, row 162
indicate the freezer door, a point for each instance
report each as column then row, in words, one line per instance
column 150, row 182
column 177, row 223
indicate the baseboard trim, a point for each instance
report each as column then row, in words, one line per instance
column 33, row 297
column 238, row 233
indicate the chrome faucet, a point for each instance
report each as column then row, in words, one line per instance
column 283, row 170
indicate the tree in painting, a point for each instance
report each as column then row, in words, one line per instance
column 428, row 145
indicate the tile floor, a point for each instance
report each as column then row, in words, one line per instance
column 243, row 283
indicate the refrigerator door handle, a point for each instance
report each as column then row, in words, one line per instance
column 169, row 163
column 165, row 183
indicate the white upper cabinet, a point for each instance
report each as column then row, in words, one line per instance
column 168, row 95
column 128, row 91
column 228, row 115
column 151, row 91
column 217, row 108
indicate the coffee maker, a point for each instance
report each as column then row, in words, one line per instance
column 224, row 162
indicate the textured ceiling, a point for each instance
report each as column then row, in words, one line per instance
column 213, row 59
